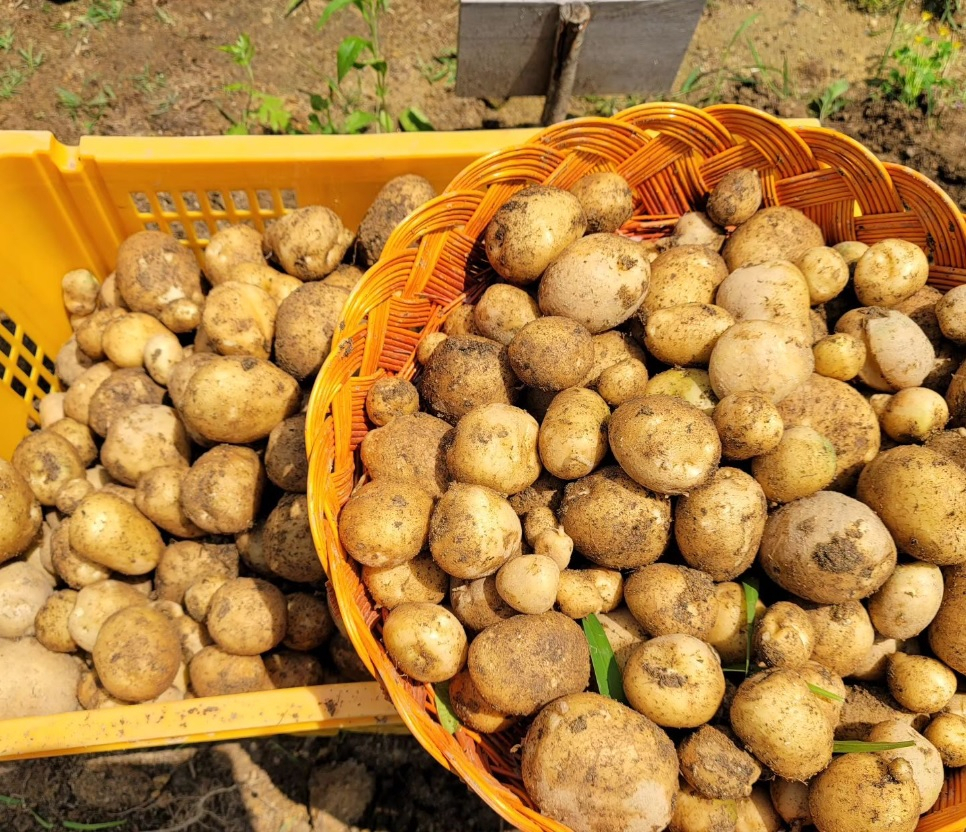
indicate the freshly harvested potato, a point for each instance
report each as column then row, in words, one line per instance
column 748, row 425
column 572, row 438
column 144, row 438
column 825, row 271
column 229, row 248
column 691, row 384
column 495, row 445
column 696, row 229
column 551, row 353
column 729, row 635
column 237, row 399
column 20, row 512
column 222, row 490
column 843, row 636
column 426, row 641
column 947, row 635
column 304, row 327
column 217, row 673
column 556, row 544
column 921, row 497
column 715, row 767
column 110, row 531
column 71, row 495
column 920, row 683
column 840, row 356
column 390, row 397
column 77, row 400
column 78, row 435
column 622, row 382
column 280, row 285
column 71, row 362
column 24, row 589
column 685, row 335
column 599, row 281
column 79, row 289
column 184, row 563
column 182, row 372
column 286, row 460
column 239, row 319
column 873, row 667
column 502, row 311
column 760, row 357
column 774, row 290
column 287, row 539
column 396, row 200
column 684, row 274
column 154, row 272
column 125, row 337
column 779, row 720
column 898, row 353
column 122, row 390
column 529, row 583
column 51, row 622
column 692, row 811
column 51, row 409
column 951, row 314
column 247, row 616
column 908, row 601
column 914, row 414
column 784, row 636
column 607, row 200
column 90, row 332
column 820, row 676
column 309, row 622
column 819, row 324
column 46, row 462
column 471, row 709
column 545, row 492
column 467, row 371
column 137, row 654
column 386, row 522
column 289, row 669
column 477, row 604
column 309, row 242
column 851, row 251
column 947, row 734
column 73, row 569
column 472, row 533
column 802, row 463
column 198, row 596
column 623, row 631
column 583, row 592
column 44, row 683
column 735, row 198
column 157, row 496
column 419, row 580
column 521, row 664
column 530, row 231
column 665, row 444
column 410, row 448
column 774, row 233
column 461, row 321
column 675, row 680
column 632, row 758
column 94, row 604
column 669, row 600
column 889, row 272
column 827, row 548
column 718, row 525
column 615, row 522
column 252, row 551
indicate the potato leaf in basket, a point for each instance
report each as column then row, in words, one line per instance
column 444, row 708
column 857, row 746
column 606, row 670
column 827, row 694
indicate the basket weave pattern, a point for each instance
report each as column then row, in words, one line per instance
column 671, row 155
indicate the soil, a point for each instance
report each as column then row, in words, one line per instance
column 157, row 70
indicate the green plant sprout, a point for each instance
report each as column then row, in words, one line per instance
column 261, row 109
column 90, row 109
column 442, row 68
column 100, row 11
column 6, row 40
column 919, row 75
column 830, row 101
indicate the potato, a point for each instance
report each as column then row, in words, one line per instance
column 386, row 522
column 623, row 382
column 908, row 601
column 198, row 596
column 184, row 563
column 615, row 522
column 774, row 290
column 125, row 338
column 729, row 634
column 529, row 583
column 89, row 332
column 664, row 444
column 71, row 362
column 920, row 683
column 635, row 768
column 685, row 335
column 465, row 372
column 182, row 372
column 76, row 571
column 222, row 490
column 818, row 319
column 309, row 242
column 873, row 667
column 79, row 289
column 670, row 600
column 286, row 460
column 865, row 791
column 606, row 199
column 947, row 636
column 825, row 271
column 840, row 356
column 898, row 353
column 398, row 198
column 921, row 497
column 79, row 435
column 24, row 589
column 288, row 669
column 784, row 636
column 715, row 767
column 696, row 229
column 735, row 198
column 71, row 495
column 546, row 492
column 675, row 680
column 217, row 673
column 144, row 438
column 239, row 319
column 51, row 409
column 77, row 401
column 718, row 526
column 279, row 285
column 51, row 622
column 843, row 636
column 155, row 271
column 504, row 310
column 790, row 799
column 410, row 448
column 951, row 315
column 390, row 397
column 122, row 390
column 551, row 353
column 802, row 463
column 840, row 414
column 157, row 496
column 495, row 445
column 774, row 233
column 760, row 357
column 623, row 631
column 472, row 533
column 689, row 384
column 109, row 531
column 572, row 439
column 556, row 544
column 44, row 683
column 428, row 344
column 471, row 709
column 780, row 721
column 309, row 622
column 611, row 348
column 304, row 327
column 947, row 734
column 289, row 549
column 419, row 580
column 684, row 274
column 889, row 272
column 521, row 664
column 477, row 604
column 46, row 462
column 237, row 399
column 426, row 641
column 748, row 425
column 530, row 230
column 182, row 315
column 247, row 616
column 20, row 512
column 913, row 414
column 583, row 592
column 137, row 654
column 461, row 321
column 229, row 248
column 94, row 604
column 598, row 281
column 921, row 308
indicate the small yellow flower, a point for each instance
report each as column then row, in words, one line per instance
column 957, row 44
column 945, row 31
column 926, row 17
column 921, row 39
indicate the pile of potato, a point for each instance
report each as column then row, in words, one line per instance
column 154, row 528
column 634, row 430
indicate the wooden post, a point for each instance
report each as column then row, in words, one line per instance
column 571, row 25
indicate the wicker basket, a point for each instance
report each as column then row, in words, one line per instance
column 671, row 155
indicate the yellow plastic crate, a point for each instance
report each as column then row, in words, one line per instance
column 68, row 207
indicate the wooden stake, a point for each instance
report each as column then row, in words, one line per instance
column 571, row 26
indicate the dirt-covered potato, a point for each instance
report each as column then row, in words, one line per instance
column 530, row 230
column 309, row 622
column 718, row 525
column 289, row 669
column 198, row 596
column 51, row 409
column 947, row 734
column 669, row 599
column 471, row 709
column 572, row 438
column 784, row 636
column 247, row 616
column 685, row 335
column 280, row 285
column 411, row 449
column 684, row 274
column 44, row 683
column 889, row 272
column 222, row 490
column 914, row 414
column 495, row 445
column 236, row 399
column 623, row 631
column 820, row 676
column 426, row 641
column 122, row 390
column 622, row 382
column 607, row 200
column 675, row 680
column 419, row 580
column 390, row 397
column 184, row 563
column 144, row 438
column 826, row 272
column 502, row 311
column 286, row 460
column 309, row 242
column 386, row 522
column 840, row 356
column 71, row 362
column 461, row 321
column 239, row 319
column 73, row 569
column 598, row 281
column 51, row 622
column 77, row 400
column 20, row 512
column 217, row 673
column 947, row 634
column 125, row 337
column 774, row 233
column 950, row 312
column 780, row 721
column 90, row 332
column 818, row 318
column 529, row 583
column 551, row 353
column 154, row 272
column 157, row 496
column 802, row 463
column 715, row 767
column 79, row 290
column 137, row 654
column 898, row 353
column 729, row 634
column 690, row 384
column 843, row 636
column 398, row 198
column 428, row 344
column 304, row 327
column 635, row 769
column 521, row 664
column 477, row 604
column 46, row 462
column 735, row 198
column 24, row 589
column 110, row 531
column 665, row 444
column 748, row 425
column 94, row 604
column 908, row 601
column 229, row 248
column 695, row 229
column 583, row 592
column 920, row 683
column 287, row 539
column 774, row 290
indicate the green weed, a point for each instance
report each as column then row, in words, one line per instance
column 830, row 101
column 148, row 82
column 442, row 68
column 919, row 71
column 100, row 11
column 32, row 60
column 6, row 40
column 10, row 81
column 87, row 110
column 261, row 109
column 607, row 106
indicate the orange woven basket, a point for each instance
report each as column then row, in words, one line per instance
column 671, row 155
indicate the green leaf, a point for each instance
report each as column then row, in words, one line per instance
column 272, row 112
column 414, row 120
column 385, row 122
column 333, row 7
column 838, row 88
column 827, row 694
column 444, row 708
column 751, row 604
column 92, row 827
column 46, row 824
column 292, row 6
column 349, row 51
column 606, row 670
column 319, row 103
column 237, row 129
column 857, row 746
column 358, row 121
column 10, row 801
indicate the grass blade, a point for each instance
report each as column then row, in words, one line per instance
column 444, row 708
column 751, row 608
column 606, row 670
column 827, row 694
column 92, row 827
column 858, row 746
